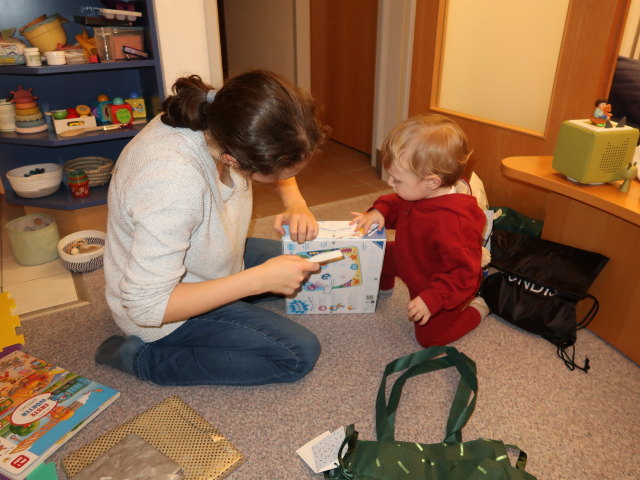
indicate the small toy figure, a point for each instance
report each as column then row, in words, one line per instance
column 629, row 174
column 602, row 113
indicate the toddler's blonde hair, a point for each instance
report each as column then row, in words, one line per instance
column 429, row 144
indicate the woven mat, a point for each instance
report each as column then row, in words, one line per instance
column 179, row 432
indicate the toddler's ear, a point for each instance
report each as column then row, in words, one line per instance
column 433, row 181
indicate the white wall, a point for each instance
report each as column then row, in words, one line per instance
column 490, row 66
column 261, row 34
column 630, row 31
column 396, row 19
column 189, row 40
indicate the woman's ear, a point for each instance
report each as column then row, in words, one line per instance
column 229, row 160
column 432, row 181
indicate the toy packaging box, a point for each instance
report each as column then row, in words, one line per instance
column 349, row 285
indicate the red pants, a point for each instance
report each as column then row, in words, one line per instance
column 442, row 328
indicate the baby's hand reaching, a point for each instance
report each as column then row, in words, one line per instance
column 418, row 311
column 369, row 221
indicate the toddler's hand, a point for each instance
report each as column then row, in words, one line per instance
column 365, row 220
column 418, row 311
column 284, row 274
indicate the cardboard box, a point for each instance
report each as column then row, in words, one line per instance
column 349, row 285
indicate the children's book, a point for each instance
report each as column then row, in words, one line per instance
column 41, row 407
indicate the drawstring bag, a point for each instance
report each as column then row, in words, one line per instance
column 390, row 459
column 536, row 286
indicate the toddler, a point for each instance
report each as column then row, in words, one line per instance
column 438, row 244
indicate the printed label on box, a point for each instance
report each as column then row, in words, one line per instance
column 348, row 285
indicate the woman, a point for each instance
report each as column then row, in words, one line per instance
column 182, row 277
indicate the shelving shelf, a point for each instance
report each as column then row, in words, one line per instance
column 83, row 67
column 62, row 86
column 62, row 199
column 50, row 139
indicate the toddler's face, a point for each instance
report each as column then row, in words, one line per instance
column 406, row 184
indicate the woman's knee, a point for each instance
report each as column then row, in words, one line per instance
column 307, row 356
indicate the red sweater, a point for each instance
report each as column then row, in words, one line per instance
column 438, row 246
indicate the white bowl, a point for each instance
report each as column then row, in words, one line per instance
column 82, row 262
column 38, row 185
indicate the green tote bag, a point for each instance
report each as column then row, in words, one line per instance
column 389, row 459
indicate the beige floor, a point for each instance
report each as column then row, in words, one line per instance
column 340, row 172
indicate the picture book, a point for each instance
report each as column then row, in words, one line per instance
column 41, row 407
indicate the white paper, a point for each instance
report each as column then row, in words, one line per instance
column 321, row 453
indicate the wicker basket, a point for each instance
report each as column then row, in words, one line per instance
column 98, row 169
column 82, row 262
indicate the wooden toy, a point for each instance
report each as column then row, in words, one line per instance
column 137, row 104
column 104, row 114
column 122, row 113
column 29, row 118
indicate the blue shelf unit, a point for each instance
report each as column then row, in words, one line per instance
column 63, row 86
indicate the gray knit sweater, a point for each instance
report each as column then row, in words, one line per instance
column 171, row 220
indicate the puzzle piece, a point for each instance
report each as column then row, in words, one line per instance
column 8, row 325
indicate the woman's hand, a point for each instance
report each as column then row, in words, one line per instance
column 303, row 225
column 367, row 220
column 284, row 274
column 418, row 311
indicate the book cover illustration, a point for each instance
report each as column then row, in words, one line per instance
column 346, row 285
column 42, row 406
column 341, row 274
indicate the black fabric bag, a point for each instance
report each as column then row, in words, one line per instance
column 537, row 285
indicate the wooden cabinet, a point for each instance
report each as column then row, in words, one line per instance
column 601, row 219
column 63, row 86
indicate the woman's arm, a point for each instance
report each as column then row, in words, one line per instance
column 303, row 225
column 281, row 275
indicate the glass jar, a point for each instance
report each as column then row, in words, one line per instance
column 104, row 44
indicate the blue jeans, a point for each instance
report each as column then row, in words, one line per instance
column 237, row 344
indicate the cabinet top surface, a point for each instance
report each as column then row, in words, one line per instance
column 537, row 171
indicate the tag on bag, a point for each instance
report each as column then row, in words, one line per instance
column 321, row 453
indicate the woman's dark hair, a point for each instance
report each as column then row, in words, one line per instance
column 263, row 121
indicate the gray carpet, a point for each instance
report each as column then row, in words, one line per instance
column 572, row 425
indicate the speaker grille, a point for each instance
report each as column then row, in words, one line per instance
column 613, row 157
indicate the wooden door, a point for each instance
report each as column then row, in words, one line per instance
column 588, row 54
column 343, row 56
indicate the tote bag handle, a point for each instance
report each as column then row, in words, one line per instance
column 418, row 363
